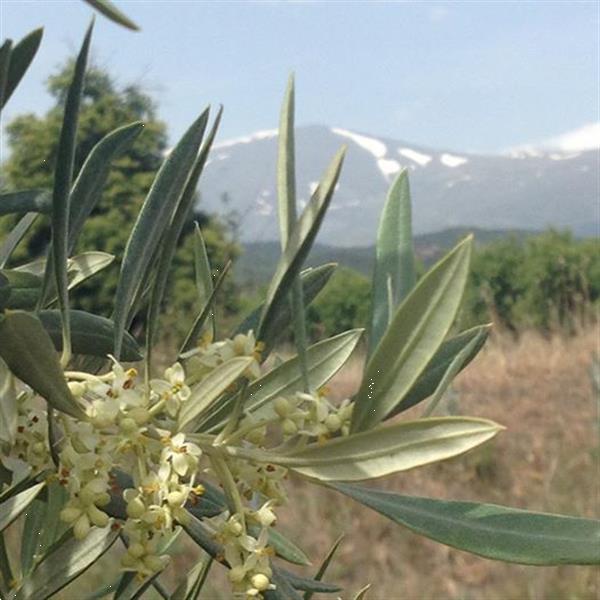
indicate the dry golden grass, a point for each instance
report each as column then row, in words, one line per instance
column 547, row 459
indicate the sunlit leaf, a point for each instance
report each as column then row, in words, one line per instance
column 8, row 405
column 417, row 331
column 152, row 221
column 492, row 531
column 203, row 272
column 10, row 509
column 191, row 586
column 66, row 562
column 209, row 389
column 430, row 378
column 314, row 279
column 394, row 257
column 324, row 359
column 381, row 451
column 299, row 245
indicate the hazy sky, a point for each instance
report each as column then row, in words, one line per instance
column 470, row 76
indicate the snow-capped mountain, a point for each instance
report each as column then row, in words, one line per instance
column 527, row 189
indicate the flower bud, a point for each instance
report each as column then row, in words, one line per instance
column 155, row 563
column 136, row 508
column 333, row 422
column 97, row 517
column 70, row 514
column 102, row 499
column 136, row 550
column 81, row 527
column 260, row 582
column 140, row 415
column 128, row 561
column 175, row 498
column 128, row 425
column 289, row 427
column 78, row 445
column 282, row 407
column 237, row 574
column 257, row 436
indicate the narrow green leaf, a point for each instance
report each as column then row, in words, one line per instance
column 209, row 389
column 24, row 289
column 203, row 273
column 24, row 201
column 325, row 358
column 191, row 586
column 207, row 310
column 418, row 329
column 286, row 166
column 10, row 509
column 110, row 11
column 325, row 564
column 15, row 236
column 306, row 584
column 172, row 234
column 5, row 51
column 394, row 258
column 152, row 222
column 5, row 291
column 35, row 519
column 283, row 547
column 20, row 59
column 382, row 451
column 6, row 570
column 455, row 366
column 92, row 177
column 299, row 245
column 29, row 353
column 431, row 377
column 286, row 192
column 63, row 176
column 66, row 562
column 8, row 405
column 314, row 279
column 92, row 335
column 497, row 532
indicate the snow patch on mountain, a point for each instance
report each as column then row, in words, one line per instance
column 264, row 134
column 377, row 148
column 450, row 160
column 418, row 157
column 388, row 167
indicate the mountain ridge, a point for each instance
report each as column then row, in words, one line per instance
column 449, row 189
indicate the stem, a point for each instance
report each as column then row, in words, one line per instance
column 243, row 431
column 232, row 494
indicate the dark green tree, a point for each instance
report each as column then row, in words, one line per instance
column 32, row 144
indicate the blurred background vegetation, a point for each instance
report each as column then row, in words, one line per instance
column 548, row 281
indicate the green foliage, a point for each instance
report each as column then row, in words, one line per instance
column 109, row 456
column 32, row 142
column 342, row 305
column 547, row 281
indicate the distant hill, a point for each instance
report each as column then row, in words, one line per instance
column 527, row 189
column 258, row 260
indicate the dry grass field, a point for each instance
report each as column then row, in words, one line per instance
column 547, row 459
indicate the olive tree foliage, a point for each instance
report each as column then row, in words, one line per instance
column 32, row 143
column 97, row 453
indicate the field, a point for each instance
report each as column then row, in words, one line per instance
column 547, row 459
